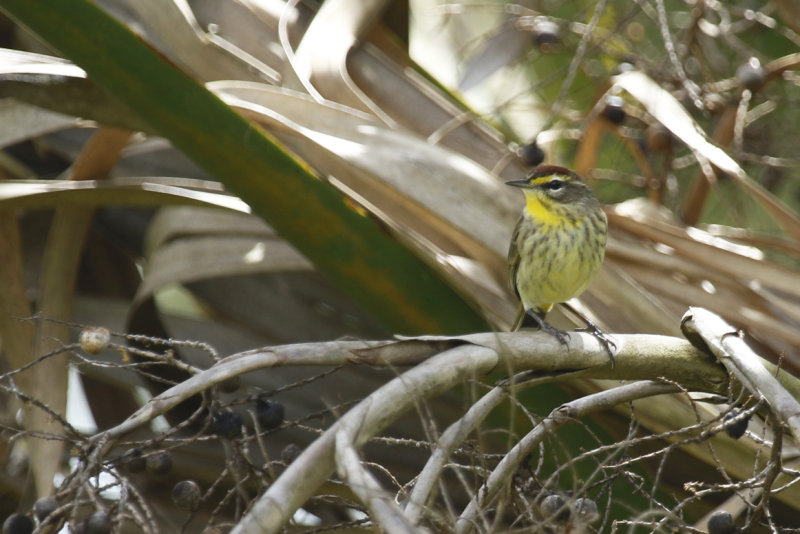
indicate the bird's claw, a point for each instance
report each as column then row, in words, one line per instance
column 560, row 335
column 604, row 340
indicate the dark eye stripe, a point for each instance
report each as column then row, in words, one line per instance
column 554, row 185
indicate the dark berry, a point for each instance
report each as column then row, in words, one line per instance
column 133, row 461
column 751, row 75
column 269, row 413
column 44, row 507
column 585, row 510
column 290, row 453
column 555, row 509
column 721, row 522
column 531, row 154
column 230, row 385
column 186, row 494
column 227, row 424
column 18, row 524
column 737, row 429
column 97, row 523
column 546, row 34
column 159, row 463
column 614, row 111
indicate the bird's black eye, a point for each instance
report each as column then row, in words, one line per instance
column 554, row 185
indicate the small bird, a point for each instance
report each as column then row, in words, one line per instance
column 557, row 246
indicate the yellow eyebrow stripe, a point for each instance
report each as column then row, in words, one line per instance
column 544, row 179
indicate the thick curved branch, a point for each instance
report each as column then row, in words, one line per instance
column 638, row 357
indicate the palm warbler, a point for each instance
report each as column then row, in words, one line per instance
column 557, row 246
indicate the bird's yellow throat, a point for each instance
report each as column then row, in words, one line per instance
column 543, row 212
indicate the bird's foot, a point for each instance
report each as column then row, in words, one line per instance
column 604, row 340
column 560, row 335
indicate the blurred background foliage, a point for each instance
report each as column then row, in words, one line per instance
column 385, row 131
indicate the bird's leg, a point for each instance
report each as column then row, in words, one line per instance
column 560, row 335
column 592, row 328
column 519, row 318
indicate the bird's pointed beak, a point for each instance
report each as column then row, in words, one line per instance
column 519, row 183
